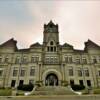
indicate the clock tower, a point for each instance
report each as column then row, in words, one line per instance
column 51, row 33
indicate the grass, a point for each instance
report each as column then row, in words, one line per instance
column 85, row 91
column 20, row 92
column 96, row 90
column 5, row 92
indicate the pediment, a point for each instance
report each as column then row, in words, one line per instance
column 90, row 44
column 10, row 43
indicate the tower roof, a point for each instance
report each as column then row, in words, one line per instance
column 51, row 23
column 51, row 27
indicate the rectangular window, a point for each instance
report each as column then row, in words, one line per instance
column 55, row 59
column 99, row 59
column 0, row 60
column 99, row 73
column 13, row 82
column 71, row 72
column 22, row 73
column 17, row 60
column 1, row 72
column 34, row 59
column 51, row 49
column 79, row 72
column 71, row 82
column 94, row 60
column 84, row 60
column 21, row 82
column 51, row 60
column 32, row 72
column 78, row 61
column 81, row 82
column 47, row 59
column 48, row 49
column 86, row 71
column 6, row 60
column 54, row 49
column 15, row 71
column 24, row 60
column 88, row 83
column 31, row 81
column 68, row 59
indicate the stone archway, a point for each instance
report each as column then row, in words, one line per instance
column 52, row 75
column 51, row 80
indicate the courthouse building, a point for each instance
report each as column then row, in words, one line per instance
column 49, row 63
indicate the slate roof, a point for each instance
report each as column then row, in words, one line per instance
column 91, row 44
column 10, row 43
column 67, row 45
column 36, row 45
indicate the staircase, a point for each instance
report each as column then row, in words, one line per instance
column 52, row 90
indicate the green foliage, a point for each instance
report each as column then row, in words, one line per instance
column 85, row 91
column 77, row 87
column 25, row 87
column 5, row 92
column 96, row 91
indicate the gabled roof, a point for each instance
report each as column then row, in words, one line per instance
column 10, row 43
column 67, row 45
column 91, row 44
column 36, row 45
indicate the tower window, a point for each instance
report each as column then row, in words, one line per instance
column 51, row 43
column 54, row 49
column 51, row 49
column 48, row 49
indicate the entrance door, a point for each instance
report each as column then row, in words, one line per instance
column 21, row 82
column 13, row 82
column 51, row 80
column 89, row 83
column 71, row 82
column 81, row 82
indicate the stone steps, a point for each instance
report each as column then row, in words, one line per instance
column 52, row 90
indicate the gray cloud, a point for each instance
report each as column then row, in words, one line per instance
column 24, row 21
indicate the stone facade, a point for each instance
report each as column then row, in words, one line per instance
column 49, row 63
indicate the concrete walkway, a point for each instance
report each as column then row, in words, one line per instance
column 53, row 97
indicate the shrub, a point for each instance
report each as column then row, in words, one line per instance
column 25, row 87
column 77, row 87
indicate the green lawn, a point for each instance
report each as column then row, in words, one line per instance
column 96, row 91
column 5, row 92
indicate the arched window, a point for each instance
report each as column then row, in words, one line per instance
column 51, row 47
column 51, row 43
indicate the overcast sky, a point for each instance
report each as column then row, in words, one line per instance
column 23, row 20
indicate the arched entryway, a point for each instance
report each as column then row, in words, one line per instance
column 49, row 72
column 51, row 80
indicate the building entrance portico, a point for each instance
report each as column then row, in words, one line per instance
column 51, row 77
column 51, row 80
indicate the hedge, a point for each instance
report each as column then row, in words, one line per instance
column 25, row 87
column 77, row 87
